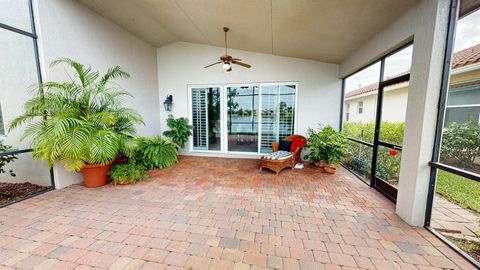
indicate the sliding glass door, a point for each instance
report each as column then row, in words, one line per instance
column 253, row 116
column 278, row 114
column 242, row 118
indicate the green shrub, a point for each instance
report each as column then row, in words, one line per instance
column 80, row 121
column 359, row 157
column 461, row 143
column 326, row 144
column 180, row 130
column 129, row 172
column 156, row 153
column 4, row 160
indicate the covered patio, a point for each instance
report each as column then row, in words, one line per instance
column 167, row 109
column 215, row 213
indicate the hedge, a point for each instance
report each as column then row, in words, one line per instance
column 460, row 147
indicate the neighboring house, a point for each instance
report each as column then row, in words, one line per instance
column 463, row 101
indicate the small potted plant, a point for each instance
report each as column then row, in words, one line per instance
column 127, row 173
column 327, row 145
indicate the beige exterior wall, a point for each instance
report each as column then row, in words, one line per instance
column 394, row 106
column 395, row 99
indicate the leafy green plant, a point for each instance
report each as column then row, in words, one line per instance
column 326, row 144
column 4, row 160
column 156, row 153
column 81, row 121
column 180, row 130
column 359, row 157
column 127, row 173
column 461, row 143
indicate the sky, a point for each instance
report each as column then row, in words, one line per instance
column 467, row 35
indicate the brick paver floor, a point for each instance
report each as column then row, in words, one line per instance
column 212, row 213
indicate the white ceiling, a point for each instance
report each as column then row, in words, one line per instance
column 323, row 30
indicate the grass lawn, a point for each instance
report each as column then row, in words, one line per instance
column 461, row 191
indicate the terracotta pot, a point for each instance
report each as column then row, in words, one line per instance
column 320, row 164
column 330, row 169
column 95, row 175
column 123, row 182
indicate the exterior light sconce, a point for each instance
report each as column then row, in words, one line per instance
column 168, row 103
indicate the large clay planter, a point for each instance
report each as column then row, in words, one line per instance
column 330, row 169
column 95, row 175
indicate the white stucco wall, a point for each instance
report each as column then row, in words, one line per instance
column 68, row 29
column 181, row 64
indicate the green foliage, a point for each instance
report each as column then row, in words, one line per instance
column 391, row 132
column 129, row 172
column 180, row 130
column 156, row 153
column 462, row 191
column 81, row 121
column 4, row 160
column 461, row 143
column 326, row 144
column 359, row 157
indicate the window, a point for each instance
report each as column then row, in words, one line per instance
column 254, row 116
column 360, row 107
column 375, row 129
column 19, row 58
column 455, row 178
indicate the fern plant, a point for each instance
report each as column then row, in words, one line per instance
column 81, row 121
column 180, row 130
column 156, row 153
column 130, row 173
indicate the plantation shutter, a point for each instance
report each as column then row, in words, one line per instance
column 278, row 114
column 199, row 118
column 286, row 110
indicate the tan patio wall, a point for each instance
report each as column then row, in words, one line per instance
column 68, row 29
column 181, row 64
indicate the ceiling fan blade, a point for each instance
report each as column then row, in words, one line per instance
column 216, row 63
column 236, row 59
column 241, row 64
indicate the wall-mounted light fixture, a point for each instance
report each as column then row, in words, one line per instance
column 168, row 103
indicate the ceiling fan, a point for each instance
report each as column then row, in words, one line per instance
column 226, row 59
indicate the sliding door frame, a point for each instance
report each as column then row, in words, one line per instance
column 224, row 111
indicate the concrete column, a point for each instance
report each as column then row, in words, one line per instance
column 428, row 55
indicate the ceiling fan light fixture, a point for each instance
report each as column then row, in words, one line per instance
column 226, row 66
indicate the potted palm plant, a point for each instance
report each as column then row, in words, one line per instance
column 81, row 122
column 327, row 145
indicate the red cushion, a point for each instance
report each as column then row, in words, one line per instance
column 296, row 143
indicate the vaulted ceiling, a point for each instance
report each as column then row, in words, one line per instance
column 323, row 30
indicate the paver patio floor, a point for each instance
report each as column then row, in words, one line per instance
column 212, row 213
